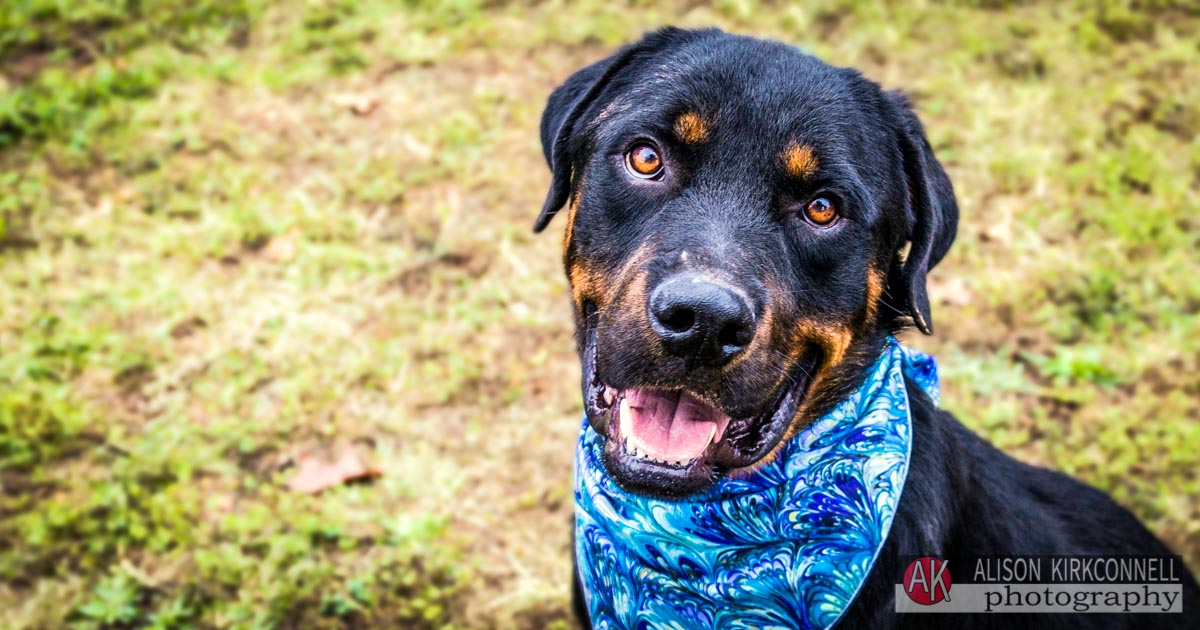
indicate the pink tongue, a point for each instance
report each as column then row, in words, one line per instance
column 672, row 426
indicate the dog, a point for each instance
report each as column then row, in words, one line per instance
column 747, row 229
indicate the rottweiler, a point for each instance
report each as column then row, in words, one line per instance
column 747, row 229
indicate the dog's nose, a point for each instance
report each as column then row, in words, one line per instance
column 701, row 319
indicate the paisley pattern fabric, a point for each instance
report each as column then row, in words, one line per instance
column 788, row 546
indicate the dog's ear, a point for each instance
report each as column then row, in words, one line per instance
column 567, row 102
column 560, row 128
column 932, row 214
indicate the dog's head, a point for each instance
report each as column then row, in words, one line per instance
column 745, row 226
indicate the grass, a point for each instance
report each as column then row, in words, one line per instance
column 209, row 264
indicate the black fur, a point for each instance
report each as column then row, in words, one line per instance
column 965, row 498
column 931, row 198
column 727, row 204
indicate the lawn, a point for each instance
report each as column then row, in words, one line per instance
column 235, row 236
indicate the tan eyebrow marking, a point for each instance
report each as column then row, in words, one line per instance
column 799, row 160
column 691, row 128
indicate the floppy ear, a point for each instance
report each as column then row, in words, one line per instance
column 567, row 105
column 933, row 213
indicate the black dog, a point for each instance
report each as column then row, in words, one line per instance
column 747, row 226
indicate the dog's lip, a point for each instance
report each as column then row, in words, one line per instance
column 744, row 441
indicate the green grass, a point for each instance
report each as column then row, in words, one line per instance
column 162, row 365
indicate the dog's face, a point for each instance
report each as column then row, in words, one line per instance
column 745, row 226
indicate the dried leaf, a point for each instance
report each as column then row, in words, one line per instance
column 417, row 148
column 1001, row 210
column 283, row 247
column 188, row 326
column 1000, row 232
column 360, row 104
column 316, row 473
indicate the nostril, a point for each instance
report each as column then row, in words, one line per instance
column 679, row 320
column 733, row 336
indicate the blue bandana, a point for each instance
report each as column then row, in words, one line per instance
column 788, row 546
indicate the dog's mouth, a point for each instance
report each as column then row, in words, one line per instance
column 670, row 442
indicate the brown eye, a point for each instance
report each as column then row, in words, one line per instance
column 644, row 161
column 821, row 212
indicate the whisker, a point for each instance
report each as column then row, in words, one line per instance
column 888, row 304
column 784, row 370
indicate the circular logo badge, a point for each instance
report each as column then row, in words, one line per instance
column 927, row 581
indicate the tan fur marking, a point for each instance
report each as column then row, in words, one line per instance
column 572, row 207
column 691, row 128
column 633, row 311
column 607, row 291
column 628, row 298
column 635, row 265
column 799, row 160
column 874, row 292
column 584, row 284
column 835, row 340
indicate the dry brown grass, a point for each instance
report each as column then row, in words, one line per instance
column 242, row 266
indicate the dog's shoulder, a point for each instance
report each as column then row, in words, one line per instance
column 966, row 493
column 964, row 497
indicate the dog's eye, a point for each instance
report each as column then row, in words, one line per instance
column 643, row 161
column 821, row 212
